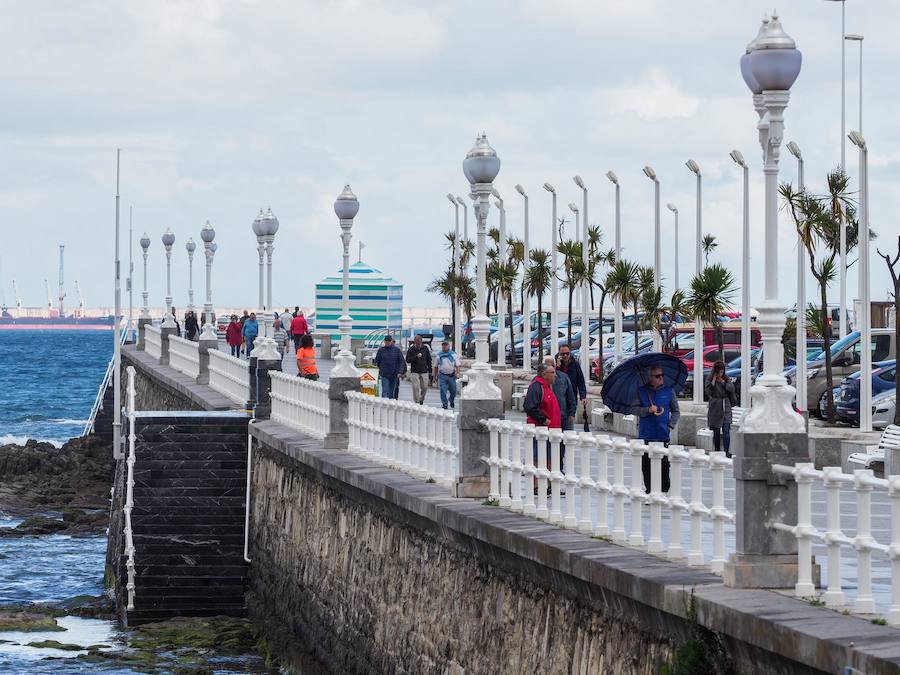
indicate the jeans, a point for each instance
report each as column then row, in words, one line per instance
column 720, row 435
column 390, row 387
column 419, row 382
column 447, row 383
column 249, row 346
column 297, row 342
column 236, row 350
column 645, row 469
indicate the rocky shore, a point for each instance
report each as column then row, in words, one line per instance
column 39, row 479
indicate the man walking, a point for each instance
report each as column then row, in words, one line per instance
column 566, row 364
column 658, row 412
column 446, row 370
column 299, row 328
column 391, row 367
column 565, row 396
column 418, row 356
column 250, row 331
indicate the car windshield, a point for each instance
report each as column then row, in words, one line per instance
column 836, row 348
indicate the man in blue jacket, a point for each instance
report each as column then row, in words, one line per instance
column 391, row 367
column 658, row 414
column 566, row 364
column 250, row 332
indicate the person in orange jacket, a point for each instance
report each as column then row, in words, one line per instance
column 306, row 358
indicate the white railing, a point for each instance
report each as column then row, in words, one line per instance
column 230, row 376
column 184, row 356
column 413, row 438
column 129, row 492
column 597, row 496
column 864, row 485
column 153, row 341
column 101, row 392
column 300, row 403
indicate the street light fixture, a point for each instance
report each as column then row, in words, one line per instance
column 745, row 280
column 346, row 206
column 674, row 209
column 865, row 318
column 618, row 320
column 526, row 296
column 145, row 245
column 190, row 247
column 168, row 239
column 800, row 379
column 657, row 255
column 208, row 235
column 584, row 350
column 501, row 306
column 554, row 282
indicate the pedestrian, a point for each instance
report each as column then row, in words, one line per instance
column 286, row 320
column 296, row 311
column 306, row 358
column 658, row 414
column 250, row 331
column 234, row 336
column 566, row 364
column 722, row 396
column 542, row 409
column 244, row 317
column 299, row 328
column 446, row 370
column 175, row 319
column 418, row 356
column 391, row 367
column 191, row 328
column 565, row 396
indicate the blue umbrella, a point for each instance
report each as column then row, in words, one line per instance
column 620, row 389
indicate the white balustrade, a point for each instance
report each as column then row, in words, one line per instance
column 413, row 438
column 300, row 403
column 588, row 490
column 864, row 485
column 184, row 356
column 153, row 341
column 129, row 492
column 229, row 375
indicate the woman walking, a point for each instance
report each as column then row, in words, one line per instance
column 233, row 336
column 306, row 358
column 720, row 392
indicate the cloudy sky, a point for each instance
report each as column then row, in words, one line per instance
column 223, row 107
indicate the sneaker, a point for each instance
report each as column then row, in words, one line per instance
column 444, row 407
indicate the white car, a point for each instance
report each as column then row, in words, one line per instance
column 884, row 406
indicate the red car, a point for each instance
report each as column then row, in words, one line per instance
column 710, row 355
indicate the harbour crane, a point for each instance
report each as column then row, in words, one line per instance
column 80, row 300
column 61, row 293
column 18, row 300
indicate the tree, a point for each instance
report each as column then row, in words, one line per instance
column 894, row 270
column 711, row 294
column 709, row 244
column 573, row 267
column 537, row 280
column 516, row 248
column 623, row 285
column 506, row 276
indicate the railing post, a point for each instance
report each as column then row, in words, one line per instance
column 676, row 501
column 204, row 347
column 164, row 334
column 657, row 451
column 636, row 535
column 343, row 379
column 602, row 486
column 142, row 324
column 477, row 402
column 587, row 447
column 267, row 359
column 834, row 596
column 765, row 557
column 804, row 587
column 893, row 616
column 864, row 604
column 529, row 470
column 619, row 489
column 541, row 439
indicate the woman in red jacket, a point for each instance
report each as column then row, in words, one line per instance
column 233, row 336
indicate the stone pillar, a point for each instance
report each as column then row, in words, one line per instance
column 251, row 370
column 765, row 557
column 337, row 437
column 204, row 347
column 164, row 351
column 142, row 323
column 264, row 366
column 478, row 400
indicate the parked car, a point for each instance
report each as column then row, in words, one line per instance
column 883, row 409
column 732, row 370
column 645, row 344
column 884, row 378
column 682, row 338
column 710, row 355
column 845, row 359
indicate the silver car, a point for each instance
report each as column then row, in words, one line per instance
column 884, row 406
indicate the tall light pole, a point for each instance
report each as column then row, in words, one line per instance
column 117, row 337
column 674, row 209
column 481, row 167
column 618, row 320
column 465, row 208
column 145, row 244
column 554, row 281
column 501, row 305
column 698, row 269
column 574, row 209
column 168, row 239
column 346, row 206
column 129, row 280
column 856, row 37
column 584, row 350
column 745, row 281
column 657, row 255
column 190, row 247
column 208, row 235
column 864, row 321
column 457, row 247
column 774, row 64
column 800, row 375
column 261, row 251
column 526, row 296
column 270, row 226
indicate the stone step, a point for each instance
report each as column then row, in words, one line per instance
column 213, row 509
column 181, row 530
column 177, row 498
column 220, row 486
column 177, row 518
column 156, row 455
column 174, row 599
column 190, row 435
column 168, row 566
column 188, row 561
column 143, row 475
column 191, row 586
column 137, row 617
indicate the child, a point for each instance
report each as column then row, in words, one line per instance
column 306, row 359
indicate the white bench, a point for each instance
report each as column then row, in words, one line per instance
column 874, row 454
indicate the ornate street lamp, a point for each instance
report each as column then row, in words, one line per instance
column 618, row 321
column 145, row 245
column 208, row 234
column 584, row 350
column 481, row 167
column 774, row 63
column 190, row 247
column 269, row 226
column 346, row 206
column 168, row 239
column 261, row 250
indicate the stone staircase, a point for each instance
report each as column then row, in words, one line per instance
column 188, row 515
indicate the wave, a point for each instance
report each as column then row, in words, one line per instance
column 67, row 421
column 9, row 439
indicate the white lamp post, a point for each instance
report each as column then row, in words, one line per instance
column 526, row 296
column 457, row 248
column 774, row 64
column 574, row 209
column 208, row 234
column 554, row 282
column 856, row 37
column 168, row 239
column 346, row 206
column 481, row 167
column 618, row 320
column 190, row 247
column 584, row 350
column 865, row 320
column 270, row 227
column 261, row 250
column 145, row 245
column 800, row 375
column 501, row 305
column 674, row 209
column 657, row 255
column 465, row 207
column 698, row 268
column 745, row 281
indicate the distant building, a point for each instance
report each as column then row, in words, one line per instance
column 376, row 302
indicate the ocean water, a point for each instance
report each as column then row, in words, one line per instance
column 48, row 381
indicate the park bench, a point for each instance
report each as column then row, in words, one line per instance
column 874, row 454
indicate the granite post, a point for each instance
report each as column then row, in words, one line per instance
column 251, row 371
column 204, row 347
column 165, row 332
column 338, row 409
column 142, row 323
column 267, row 360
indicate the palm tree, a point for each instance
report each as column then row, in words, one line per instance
column 712, row 292
column 516, row 248
column 537, row 280
column 678, row 306
column 655, row 310
column 572, row 264
column 623, row 285
column 506, row 276
column 709, row 244
column 445, row 286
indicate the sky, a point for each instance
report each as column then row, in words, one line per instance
column 225, row 107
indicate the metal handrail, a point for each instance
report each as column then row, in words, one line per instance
column 98, row 399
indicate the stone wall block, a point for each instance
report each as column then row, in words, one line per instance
column 337, row 437
column 474, row 443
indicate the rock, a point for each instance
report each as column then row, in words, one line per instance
column 29, row 618
column 90, row 606
column 53, row 644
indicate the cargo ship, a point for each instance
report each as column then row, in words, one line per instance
column 71, row 322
